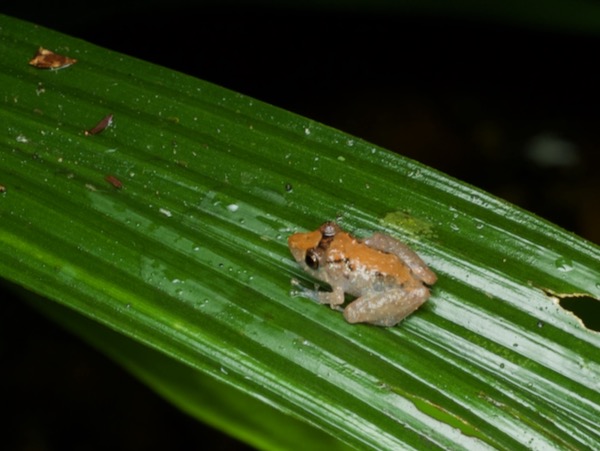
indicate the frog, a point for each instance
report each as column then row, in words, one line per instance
column 387, row 278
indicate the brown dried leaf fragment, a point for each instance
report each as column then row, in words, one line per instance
column 114, row 181
column 46, row 59
column 100, row 126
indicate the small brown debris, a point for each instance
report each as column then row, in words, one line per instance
column 100, row 126
column 46, row 59
column 2, row 189
column 114, row 181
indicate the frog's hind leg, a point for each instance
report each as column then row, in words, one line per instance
column 385, row 243
column 386, row 308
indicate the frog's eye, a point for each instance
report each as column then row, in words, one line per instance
column 312, row 259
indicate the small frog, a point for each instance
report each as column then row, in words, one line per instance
column 387, row 277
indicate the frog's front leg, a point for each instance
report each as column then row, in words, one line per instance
column 386, row 308
column 334, row 298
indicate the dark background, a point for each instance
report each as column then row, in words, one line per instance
column 510, row 106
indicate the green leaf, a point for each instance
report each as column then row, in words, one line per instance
column 183, row 274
